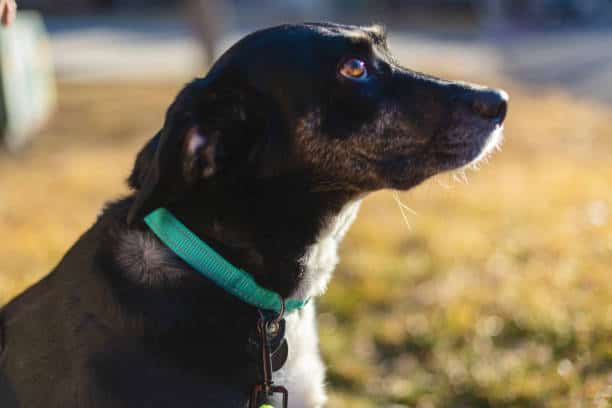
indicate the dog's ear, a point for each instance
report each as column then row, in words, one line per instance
column 143, row 163
column 184, row 153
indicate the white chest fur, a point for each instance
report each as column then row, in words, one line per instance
column 304, row 374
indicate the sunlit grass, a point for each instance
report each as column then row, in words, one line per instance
column 498, row 295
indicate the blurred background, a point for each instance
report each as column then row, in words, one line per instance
column 498, row 291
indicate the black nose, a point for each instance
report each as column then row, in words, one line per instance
column 489, row 104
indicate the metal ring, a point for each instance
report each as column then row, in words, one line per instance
column 278, row 317
column 281, row 313
column 277, row 320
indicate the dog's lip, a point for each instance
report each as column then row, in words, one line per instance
column 487, row 142
column 494, row 140
column 483, row 143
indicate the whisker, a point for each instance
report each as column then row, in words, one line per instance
column 442, row 183
column 403, row 207
column 399, row 202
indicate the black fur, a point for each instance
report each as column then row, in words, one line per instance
column 253, row 158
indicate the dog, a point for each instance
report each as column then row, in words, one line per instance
column 265, row 160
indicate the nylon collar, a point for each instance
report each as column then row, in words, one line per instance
column 197, row 254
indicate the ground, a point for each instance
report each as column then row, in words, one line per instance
column 497, row 295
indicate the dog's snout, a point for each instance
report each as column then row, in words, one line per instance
column 489, row 104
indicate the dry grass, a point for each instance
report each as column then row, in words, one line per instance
column 500, row 295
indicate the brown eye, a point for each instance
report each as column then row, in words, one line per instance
column 354, row 69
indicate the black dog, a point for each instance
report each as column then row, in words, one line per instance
column 265, row 159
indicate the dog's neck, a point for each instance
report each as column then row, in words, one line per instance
column 321, row 257
column 285, row 236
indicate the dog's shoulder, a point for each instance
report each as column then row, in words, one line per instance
column 53, row 325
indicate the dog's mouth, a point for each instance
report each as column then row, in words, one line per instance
column 465, row 145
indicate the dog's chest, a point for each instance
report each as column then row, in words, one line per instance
column 303, row 374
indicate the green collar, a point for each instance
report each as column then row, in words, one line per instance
column 209, row 263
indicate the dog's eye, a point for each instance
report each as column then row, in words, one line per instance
column 354, row 69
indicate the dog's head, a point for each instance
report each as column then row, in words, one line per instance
column 325, row 105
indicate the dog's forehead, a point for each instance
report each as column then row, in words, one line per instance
column 374, row 33
column 296, row 37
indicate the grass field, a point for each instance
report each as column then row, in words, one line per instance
column 498, row 295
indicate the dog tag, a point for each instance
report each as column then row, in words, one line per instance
column 279, row 357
